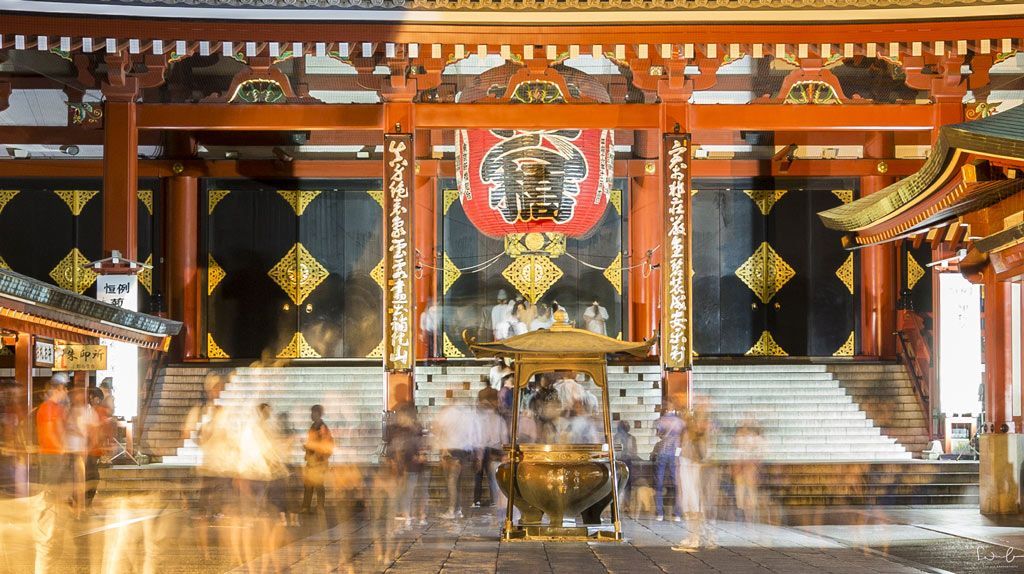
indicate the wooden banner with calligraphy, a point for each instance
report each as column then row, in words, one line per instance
column 677, row 257
column 79, row 358
column 398, row 253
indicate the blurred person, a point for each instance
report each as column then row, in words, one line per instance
column 668, row 430
column 595, row 319
column 13, row 443
column 527, row 427
column 506, row 396
column 269, row 482
column 107, row 388
column 572, row 394
column 628, row 456
column 518, row 322
column 493, row 436
column 488, row 394
column 746, row 470
column 408, row 453
column 384, row 504
column 496, row 372
column 576, row 425
column 457, row 435
column 697, row 481
column 51, row 420
column 98, row 443
column 547, row 409
column 499, row 316
column 80, row 425
column 543, row 319
column 430, row 328
column 319, row 447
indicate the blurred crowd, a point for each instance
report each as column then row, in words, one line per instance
column 254, row 463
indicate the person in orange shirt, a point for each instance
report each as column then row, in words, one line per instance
column 99, row 441
column 50, row 425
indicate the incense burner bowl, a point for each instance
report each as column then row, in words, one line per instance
column 561, row 481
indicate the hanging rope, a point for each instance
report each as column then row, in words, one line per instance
column 468, row 270
column 645, row 264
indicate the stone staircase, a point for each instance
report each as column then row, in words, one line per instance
column 177, row 390
column 885, row 392
column 804, row 412
column 635, row 395
column 352, row 398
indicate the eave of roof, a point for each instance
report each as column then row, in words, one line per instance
column 1000, row 136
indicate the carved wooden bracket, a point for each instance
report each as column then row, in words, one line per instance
column 666, row 79
column 5, row 95
column 400, row 86
column 812, row 83
column 938, row 75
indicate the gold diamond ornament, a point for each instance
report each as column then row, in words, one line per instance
column 216, row 195
column 615, row 198
column 298, row 348
column 844, row 195
column 146, row 275
column 532, row 275
column 766, row 347
column 75, row 198
column 146, row 197
column 377, row 196
column 614, row 273
column 3, row 264
column 765, row 272
column 765, row 198
column 450, row 350
column 70, row 274
column 914, row 271
column 450, row 272
column 846, row 350
column 6, row 195
column 298, row 273
column 845, row 273
column 214, row 274
column 377, row 352
column 299, row 199
column 377, row 274
column 450, row 196
column 213, row 350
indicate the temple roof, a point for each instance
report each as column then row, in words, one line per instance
column 29, row 301
column 998, row 136
column 559, row 340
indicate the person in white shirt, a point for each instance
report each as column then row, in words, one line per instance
column 596, row 319
column 457, row 435
column 430, row 328
column 543, row 319
column 499, row 316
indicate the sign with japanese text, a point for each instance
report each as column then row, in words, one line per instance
column 122, row 358
column 398, row 252
column 71, row 357
column 44, row 353
column 677, row 262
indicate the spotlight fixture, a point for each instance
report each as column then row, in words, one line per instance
column 231, row 155
column 71, row 150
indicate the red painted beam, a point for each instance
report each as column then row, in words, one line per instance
column 783, row 117
column 268, row 117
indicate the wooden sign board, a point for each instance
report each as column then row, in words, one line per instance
column 79, row 358
column 44, row 350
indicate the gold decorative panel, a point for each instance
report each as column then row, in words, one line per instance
column 814, row 92
column 146, row 197
column 846, row 350
column 614, row 273
column 216, row 195
column 765, row 272
column 3, row 264
column 6, row 195
column 450, row 196
column 549, row 244
column 615, row 198
column 70, row 274
column 914, row 271
column 845, row 272
column 450, row 350
column 299, row 199
column 532, row 275
column 146, row 275
column 298, row 348
column 844, row 195
column 377, row 274
column 765, row 198
column 298, row 273
column 213, row 350
column 766, row 347
column 75, row 198
column 451, row 274
column 377, row 196
column 214, row 274
column 377, row 352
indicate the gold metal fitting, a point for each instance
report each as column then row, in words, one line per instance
column 650, row 168
column 881, row 167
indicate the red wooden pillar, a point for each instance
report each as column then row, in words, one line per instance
column 425, row 227
column 645, row 230
column 998, row 354
column 23, row 358
column 184, row 284
column 878, row 287
column 120, row 177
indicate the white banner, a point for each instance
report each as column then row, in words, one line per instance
column 122, row 358
column 960, row 364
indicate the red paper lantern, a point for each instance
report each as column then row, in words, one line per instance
column 534, row 181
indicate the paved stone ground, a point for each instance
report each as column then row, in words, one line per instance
column 854, row 541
